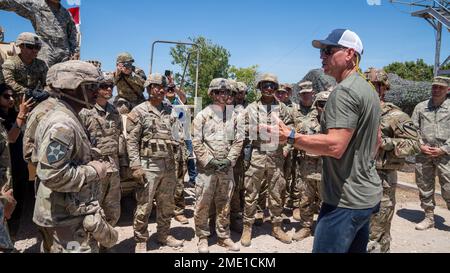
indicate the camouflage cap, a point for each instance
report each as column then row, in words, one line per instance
column 28, row 38
column 108, row 78
column 306, row 87
column 242, row 87
column 71, row 74
column 125, row 57
column 442, row 81
column 267, row 77
column 378, row 76
column 323, row 96
column 219, row 84
column 234, row 86
column 285, row 87
column 156, row 78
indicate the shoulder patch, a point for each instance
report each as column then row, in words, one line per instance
column 56, row 151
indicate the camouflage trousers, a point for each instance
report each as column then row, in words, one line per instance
column 160, row 185
column 380, row 225
column 5, row 239
column 52, row 57
column 110, row 197
column 426, row 171
column 309, row 174
column 256, row 179
column 237, row 200
column 180, row 171
column 213, row 190
column 292, row 196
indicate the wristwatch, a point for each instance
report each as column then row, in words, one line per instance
column 291, row 138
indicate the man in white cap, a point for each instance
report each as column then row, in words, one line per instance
column 351, row 189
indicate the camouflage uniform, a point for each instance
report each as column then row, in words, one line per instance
column 434, row 131
column 104, row 126
column 2, row 56
column 213, row 139
column 67, row 207
column 56, row 28
column 20, row 76
column 150, row 148
column 181, row 157
column 5, row 185
column 130, row 88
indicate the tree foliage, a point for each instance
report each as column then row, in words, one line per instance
column 413, row 71
column 247, row 75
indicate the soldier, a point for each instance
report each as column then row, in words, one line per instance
column 67, row 208
column 25, row 71
column 237, row 200
column 129, row 81
column 2, row 34
column 432, row 118
column 150, row 149
column 400, row 139
column 104, row 125
column 309, row 168
column 7, row 201
column 266, row 162
column 53, row 23
column 217, row 147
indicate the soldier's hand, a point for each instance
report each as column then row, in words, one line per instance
column 100, row 167
column 214, row 164
column 437, row 152
column 139, row 174
column 10, row 203
column 426, row 150
column 225, row 165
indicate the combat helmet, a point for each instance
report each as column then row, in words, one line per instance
column 29, row 39
column 125, row 57
column 234, row 86
column 378, row 76
column 242, row 87
column 219, row 84
column 156, row 78
column 322, row 96
column 267, row 77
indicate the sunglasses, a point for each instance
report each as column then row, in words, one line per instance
column 32, row 47
column 106, row 86
column 7, row 96
column 222, row 92
column 321, row 104
column 329, row 50
column 93, row 86
column 269, row 85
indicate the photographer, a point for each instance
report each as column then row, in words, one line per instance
column 129, row 81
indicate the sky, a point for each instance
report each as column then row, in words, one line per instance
column 275, row 35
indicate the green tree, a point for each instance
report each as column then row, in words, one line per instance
column 214, row 63
column 413, row 71
column 247, row 75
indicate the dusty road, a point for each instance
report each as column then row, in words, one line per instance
column 405, row 238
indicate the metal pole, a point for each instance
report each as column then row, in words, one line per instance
column 437, row 62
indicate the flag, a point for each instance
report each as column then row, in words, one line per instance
column 73, row 7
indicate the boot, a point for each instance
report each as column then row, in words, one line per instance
column 228, row 244
column 279, row 234
column 302, row 234
column 259, row 219
column 203, row 246
column 236, row 225
column 428, row 222
column 141, row 248
column 246, row 239
column 170, row 241
column 296, row 214
column 181, row 219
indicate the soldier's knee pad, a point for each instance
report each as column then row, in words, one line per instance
column 101, row 230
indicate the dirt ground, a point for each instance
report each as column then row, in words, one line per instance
column 405, row 238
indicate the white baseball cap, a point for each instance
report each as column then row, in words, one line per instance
column 341, row 37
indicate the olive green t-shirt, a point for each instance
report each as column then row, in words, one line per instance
column 352, row 181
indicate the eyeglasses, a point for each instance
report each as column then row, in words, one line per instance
column 222, row 92
column 7, row 96
column 32, row 47
column 321, row 104
column 269, row 85
column 329, row 50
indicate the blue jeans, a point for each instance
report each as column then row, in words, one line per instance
column 192, row 168
column 342, row 230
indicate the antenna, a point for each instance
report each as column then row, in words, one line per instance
column 437, row 14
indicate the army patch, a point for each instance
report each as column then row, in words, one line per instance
column 56, row 152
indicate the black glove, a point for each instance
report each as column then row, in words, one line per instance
column 225, row 165
column 37, row 95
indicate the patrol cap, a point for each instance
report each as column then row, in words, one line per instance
column 378, row 76
column 156, row 78
column 28, row 38
column 242, row 87
column 71, row 74
column 267, row 77
column 219, row 84
column 341, row 37
column 285, row 88
column 306, row 87
column 125, row 57
column 442, row 81
column 323, row 96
